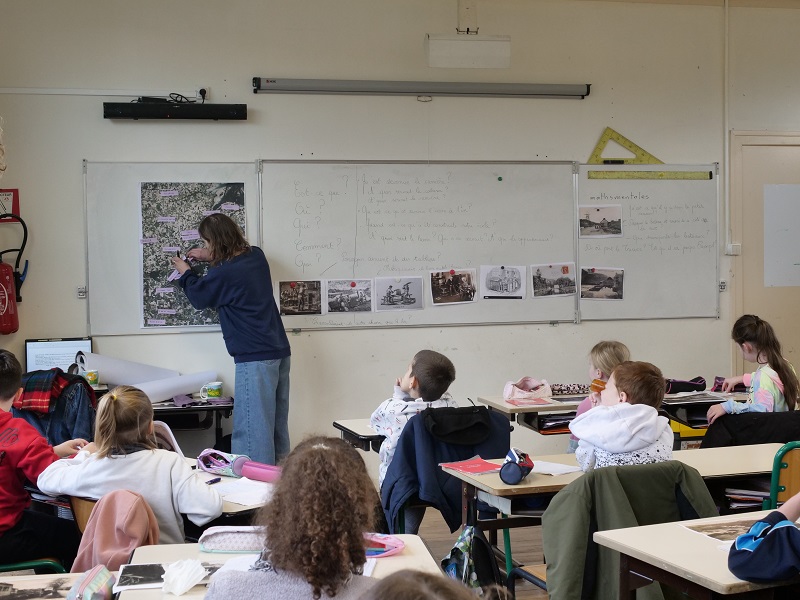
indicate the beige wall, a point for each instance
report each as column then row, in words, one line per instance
column 657, row 73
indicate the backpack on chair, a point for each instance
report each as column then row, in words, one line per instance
column 472, row 560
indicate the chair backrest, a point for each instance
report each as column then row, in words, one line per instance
column 414, row 470
column 81, row 511
column 785, row 481
column 612, row 498
column 120, row 522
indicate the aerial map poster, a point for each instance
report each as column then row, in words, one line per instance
column 170, row 214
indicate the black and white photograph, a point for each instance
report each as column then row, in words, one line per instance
column 142, row 576
column 603, row 220
column 300, row 297
column 602, row 283
column 724, row 532
column 455, row 286
column 349, row 295
column 555, row 279
column 398, row 293
column 37, row 587
column 502, row 282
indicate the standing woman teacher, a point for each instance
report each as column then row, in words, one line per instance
column 238, row 285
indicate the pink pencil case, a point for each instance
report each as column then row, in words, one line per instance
column 259, row 471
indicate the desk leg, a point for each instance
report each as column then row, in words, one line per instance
column 218, row 427
column 469, row 505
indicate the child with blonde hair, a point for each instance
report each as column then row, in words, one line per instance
column 124, row 456
column 604, row 357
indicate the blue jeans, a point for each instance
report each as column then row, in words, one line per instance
column 261, row 410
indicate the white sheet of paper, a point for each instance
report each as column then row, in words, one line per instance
column 244, row 491
column 550, row 468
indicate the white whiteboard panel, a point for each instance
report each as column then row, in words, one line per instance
column 669, row 243
column 112, row 224
column 342, row 220
column 781, row 244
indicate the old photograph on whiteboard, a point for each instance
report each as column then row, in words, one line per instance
column 502, row 282
column 554, row 279
column 349, row 295
column 398, row 293
column 455, row 286
column 300, row 297
column 602, row 220
column 170, row 213
column 602, row 283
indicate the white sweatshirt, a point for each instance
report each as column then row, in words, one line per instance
column 162, row 477
column 623, row 434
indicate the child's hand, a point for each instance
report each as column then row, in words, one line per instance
column 181, row 265
column 70, row 447
column 732, row 382
column 595, row 399
column 714, row 413
column 201, row 254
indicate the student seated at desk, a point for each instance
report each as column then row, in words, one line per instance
column 314, row 527
column 424, row 385
column 625, row 428
column 773, row 386
column 603, row 359
column 24, row 454
column 770, row 551
column 124, row 456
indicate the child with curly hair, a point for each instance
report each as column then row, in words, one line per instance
column 314, row 529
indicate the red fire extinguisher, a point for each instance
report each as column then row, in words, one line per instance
column 11, row 282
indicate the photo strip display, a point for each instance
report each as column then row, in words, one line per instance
column 398, row 293
column 456, row 286
column 300, row 297
column 602, row 283
column 349, row 295
column 556, row 279
column 503, row 282
column 600, row 221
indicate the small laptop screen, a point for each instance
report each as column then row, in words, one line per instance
column 54, row 352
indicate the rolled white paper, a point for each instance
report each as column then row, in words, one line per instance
column 166, row 389
column 115, row 371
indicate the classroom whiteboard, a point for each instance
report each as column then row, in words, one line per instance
column 114, row 246
column 668, row 249
column 342, row 221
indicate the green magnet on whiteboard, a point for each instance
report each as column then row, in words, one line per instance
column 499, row 179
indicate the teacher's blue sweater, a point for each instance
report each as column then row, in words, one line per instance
column 241, row 291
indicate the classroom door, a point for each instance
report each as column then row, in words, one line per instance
column 759, row 159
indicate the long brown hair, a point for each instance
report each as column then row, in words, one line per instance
column 759, row 333
column 321, row 508
column 226, row 237
column 124, row 419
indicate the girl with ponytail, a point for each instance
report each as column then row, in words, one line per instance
column 773, row 387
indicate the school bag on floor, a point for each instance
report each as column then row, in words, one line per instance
column 472, row 561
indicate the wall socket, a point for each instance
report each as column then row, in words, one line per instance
column 199, row 96
column 81, row 292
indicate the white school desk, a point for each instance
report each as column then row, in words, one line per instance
column 228, row 508
column 684, row 559
column 415, row 556
column 711, row 463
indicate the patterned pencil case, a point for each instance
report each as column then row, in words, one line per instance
column 232, row 539
column 221, row 463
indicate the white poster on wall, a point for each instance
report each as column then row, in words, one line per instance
column 781, row 242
